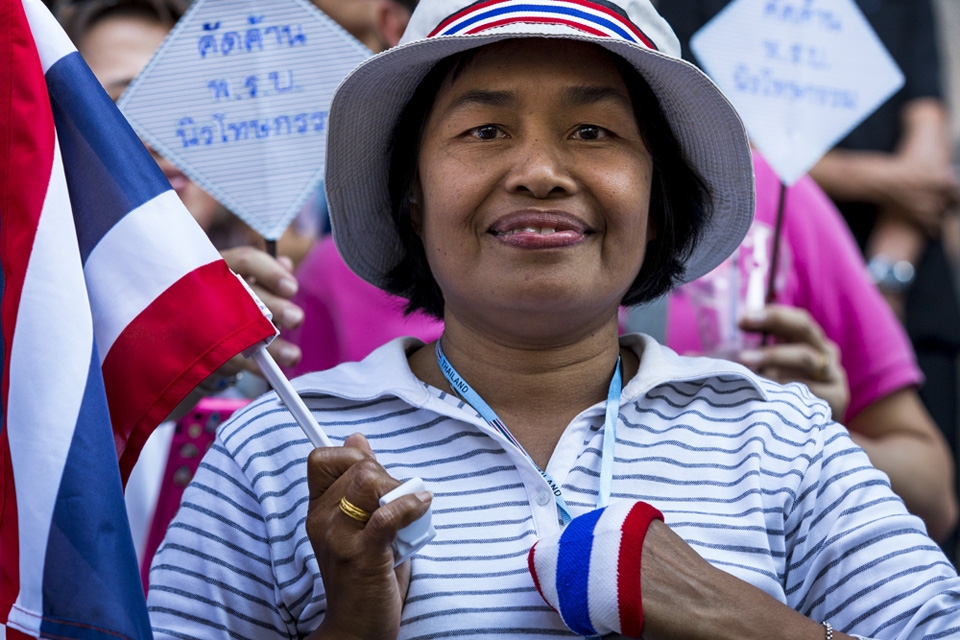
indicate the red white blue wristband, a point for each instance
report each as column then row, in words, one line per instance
column 590, row 572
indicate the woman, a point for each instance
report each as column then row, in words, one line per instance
column 539, row 177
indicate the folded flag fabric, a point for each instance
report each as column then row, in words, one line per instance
column 113, row 306
column 590, row 572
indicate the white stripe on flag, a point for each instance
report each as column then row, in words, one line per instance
column 54, row 335
column 52, row 41
column 145, row 270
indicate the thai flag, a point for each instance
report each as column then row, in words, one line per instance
column 114, row 305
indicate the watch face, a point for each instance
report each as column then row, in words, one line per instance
column 890, row 276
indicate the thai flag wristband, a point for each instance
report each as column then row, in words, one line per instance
column 590, row 572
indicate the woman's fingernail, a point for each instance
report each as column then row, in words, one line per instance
column 424, row 496
column 289, row 354
column 292, row 316
column 287, row 286
column 755, row 315
column 750, row 356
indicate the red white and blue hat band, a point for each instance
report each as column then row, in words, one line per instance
column 588, row 16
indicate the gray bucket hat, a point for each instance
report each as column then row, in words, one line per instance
column 368, row 104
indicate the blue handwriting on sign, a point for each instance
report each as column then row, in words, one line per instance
column 802, row 12
column 796, row 53
column 252, row 86
column 223, row 132
column 254, row 38
column 766, row 83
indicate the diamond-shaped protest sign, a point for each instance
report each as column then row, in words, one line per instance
column 802, row 74
column 237, row 97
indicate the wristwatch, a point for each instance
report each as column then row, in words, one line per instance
column 891, row 276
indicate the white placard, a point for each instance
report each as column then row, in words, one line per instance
column 237, row 97
column 802, row 74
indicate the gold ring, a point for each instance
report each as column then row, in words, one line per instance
column 822, row 365
column 353, row 511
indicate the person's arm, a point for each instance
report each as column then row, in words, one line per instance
column 916, row 181
column 853, row 558
column 901, row 439
column 685, row 597
column 895, row 430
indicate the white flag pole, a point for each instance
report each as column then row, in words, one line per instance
column 411, row 538
column 290, row 398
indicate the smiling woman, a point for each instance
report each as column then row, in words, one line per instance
column 520, row 170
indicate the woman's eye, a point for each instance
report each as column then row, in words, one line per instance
column 590, row 132
column 486, row 132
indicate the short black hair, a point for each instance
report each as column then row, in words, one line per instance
column 77, row 17
column 678, row 196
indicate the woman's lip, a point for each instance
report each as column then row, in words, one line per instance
column 539, row 230
column 543, row 222
column 177, row 180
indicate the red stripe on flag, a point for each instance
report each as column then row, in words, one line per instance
column 26, row 157
column 155, row 363
column 13, row 634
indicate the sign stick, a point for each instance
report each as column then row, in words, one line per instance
column 775, row 258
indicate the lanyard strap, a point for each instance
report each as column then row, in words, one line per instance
column 609, row 431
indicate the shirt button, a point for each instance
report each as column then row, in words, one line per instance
column 543, row 498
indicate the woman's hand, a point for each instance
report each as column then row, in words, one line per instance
column 686, row 598
column 273, row 281
column 365, row 594
column 801, row 353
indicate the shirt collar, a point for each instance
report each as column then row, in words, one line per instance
column 386, row 372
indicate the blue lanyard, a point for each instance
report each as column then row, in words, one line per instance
column 609, row 431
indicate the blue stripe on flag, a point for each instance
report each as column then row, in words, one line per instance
column 573, row 572
column 533, row 8
column 90, row 571
column 109, row 171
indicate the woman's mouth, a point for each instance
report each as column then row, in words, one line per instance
column 538, row 230
column 178, row 181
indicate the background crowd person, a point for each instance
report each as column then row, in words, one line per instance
column 892, row 179
column 833, row 331
column 346, row 318
column 523, row 182
column 116, row 39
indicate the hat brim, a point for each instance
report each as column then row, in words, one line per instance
column 368, row 104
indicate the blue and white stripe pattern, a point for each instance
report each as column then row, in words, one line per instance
column 593, row 17
column 753, row 475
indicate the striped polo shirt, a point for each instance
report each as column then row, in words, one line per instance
column 755, row 476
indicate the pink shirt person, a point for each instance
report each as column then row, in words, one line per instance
column 825, row 275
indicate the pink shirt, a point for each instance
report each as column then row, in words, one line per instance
column 345, row 317
column 826, row 275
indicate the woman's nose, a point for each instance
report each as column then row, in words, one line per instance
column 541, row 171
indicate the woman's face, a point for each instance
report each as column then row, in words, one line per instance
column 534, row 182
